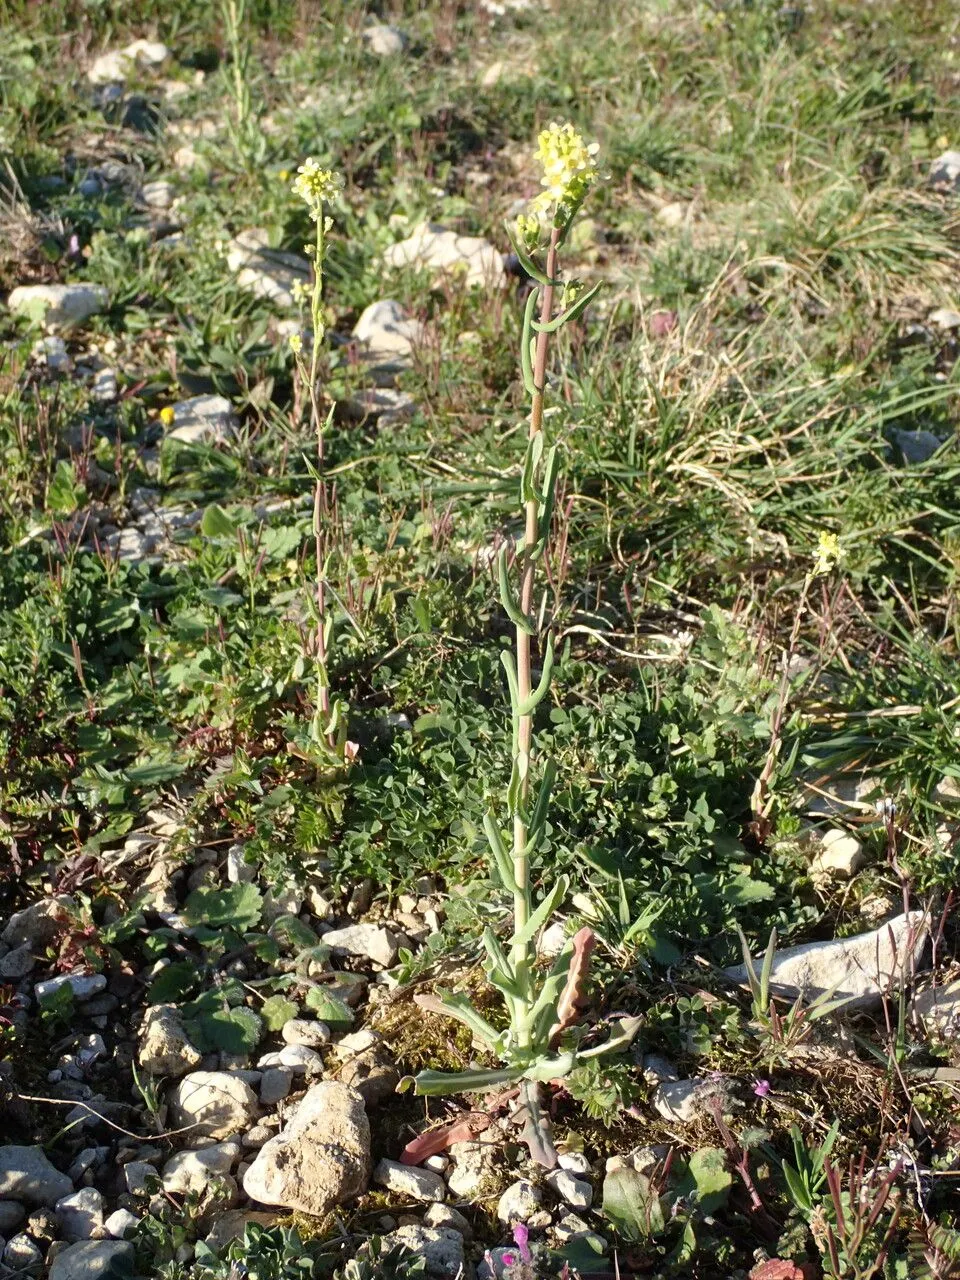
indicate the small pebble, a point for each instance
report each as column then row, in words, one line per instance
column 275, row 1084
column 312, row 1035
column 408, row 1180
column 574, row 1190
column 120, row 1222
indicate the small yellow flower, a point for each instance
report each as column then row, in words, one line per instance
column 569, row 165
column 314, row 184
column 284, row 175
column 528, row 230
column 829, row 554
column 168, row 415
column 296, row 343
column 300, row 291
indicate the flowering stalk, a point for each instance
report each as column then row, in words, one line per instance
column 317, row 186
column 540, row 1042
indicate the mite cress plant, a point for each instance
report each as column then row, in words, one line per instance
column 326, row 742
column 541, row 1042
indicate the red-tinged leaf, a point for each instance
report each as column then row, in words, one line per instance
column 781, row 1269
column 437, row 1140
column 574, row 994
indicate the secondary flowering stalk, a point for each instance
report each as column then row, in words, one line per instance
column 569, row 169
column 317, row 187
column 524, row 633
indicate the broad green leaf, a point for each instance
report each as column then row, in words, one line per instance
column 632, row 1205
column 707, row 1168
column 329, row 1008
column 237, row 906
column 276, row 1011
column 585, row 1255
column 743, row 890
column 293, row 934
column 226, row 1030
column 173, row 982
column 64, row 494
column 152, row 772
column 216, row 523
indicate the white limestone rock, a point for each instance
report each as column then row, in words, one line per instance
column 370, row 941
column 838, row 854
column 408, row 1180
column 321, row 1158
column 576, row 1191
column 938, row 1008
column 196, row 1171
column 945, row 171
column 683, row 1101
column 58, row 306
column 165, row 1048
column 39, row 923
column 90, row 1259
column 435, row 248
column 83, row 985
column 860, row 969
column 520, row 1201
column 269, row 273
column 388, row 406
column 28, row 1176
column 388, row 338
column 218, row 1103
column 384, row 40
column 80, row 1214
column 441, row 1248
column 114, row 66
column 203, row 420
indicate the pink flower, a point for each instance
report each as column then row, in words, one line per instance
column 521, row 1238
column 761, row 1088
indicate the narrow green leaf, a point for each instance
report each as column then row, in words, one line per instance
column 526, row 345
column 753, row 981
column 543, row 913
column 501, row 857
column 433, row 1083
column 621, row 1037
column 767, row 968
column 531, row 464
column 510, row 605
column 510, row 667
column 460, row 1008
column 551, row 470
column 572, row 312
column 536, row 697
column 528, row 264
column 539, row 815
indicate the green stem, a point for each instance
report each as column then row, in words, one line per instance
column 522, row 903
column 319, row 496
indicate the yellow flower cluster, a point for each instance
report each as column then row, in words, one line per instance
column 829, row 554
column 314, row 184
column 569, row 165
column 167, row 415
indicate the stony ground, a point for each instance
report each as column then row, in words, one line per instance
column 219, row 960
